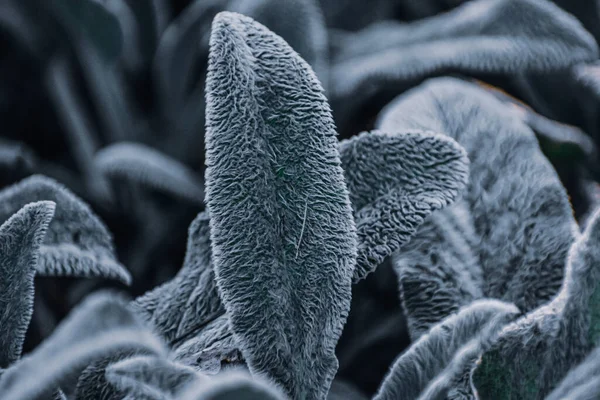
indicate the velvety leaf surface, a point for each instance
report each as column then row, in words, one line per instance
column 438, row 270
column 141, row 164
column 538, row 350
column 20, row 239
column 100, row 325
column 234, row 386
column 517, row 204
column 585, row 373
column 283, row 236
column 395, row 182
column 429, row 355
column 77, row 242
column 191, row 299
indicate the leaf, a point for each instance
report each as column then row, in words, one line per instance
column 132, row 52
column 341, row 390
column 587, row 372
column 283, row 236
column 212, row 349
column 431, row 353
column 191, row 299
column 538, row 350
column 438, row 270
column 17, row 161
column 20, row 239
column 151, row 377
column 518, row 206
column 299, row 22
column 77, row 243
column 142, row 164
column 100, row 325
column 484, row 36
column 233, row 386
column 395, row 182
column 152, row 17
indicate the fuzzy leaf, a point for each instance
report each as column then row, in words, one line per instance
column 77, row 242
column 234, row 386
column 438, row 270
column 284, row 240
column 585, row 373
column 142, row 164
column 427, row 357
column 151, row 377
column 191, row 299
column 20, row 239
column 518, row 206
column 484, row 36
column 537, row 351
column 97, row 327
column 395, row 182
column 212, row 349
column 151, row 17
column 299, row 22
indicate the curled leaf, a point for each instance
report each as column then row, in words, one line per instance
column 283, row 236
column 395, row 182
column 97, row 327
column 20, row 239
column 77, row 242
column 429, row 355
column 142, row 164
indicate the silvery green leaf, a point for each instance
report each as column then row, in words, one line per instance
column 432, row 352
column 152, row 19
column 283, row 236
column 100, row 325
column 141, row 164
column 517, row 204
column 77, row 242
column 396, row 180
column 586, row 372
column 20, row 239
column 233, row 386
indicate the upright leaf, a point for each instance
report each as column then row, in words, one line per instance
column 429, row 355
column 77, row 242
column 185, row 304
column 20, row 239
column 518, row 206
column 231, row 386
column 284, row 240
column 395, row 182
column 97, row 327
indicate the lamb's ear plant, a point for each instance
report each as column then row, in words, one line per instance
column 517, row 204
column 283, row 238
column 431, row 354
column 588, row 372
column 21, row 237
column 77, row 242
column 535, row 352
column 483, row 36
column 299, row 22
column 395, row 182
column 234, row 385
column 100, row 325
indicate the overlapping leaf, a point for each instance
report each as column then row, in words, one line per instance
column 234, row 385
column 21, row 237
column 395, row 182
column 99, row 326
column 588, row 372
column 284, row 241
column 77, row 242
column 537, row 351
column 428, row 356
column 142, row 164
column 518, row 206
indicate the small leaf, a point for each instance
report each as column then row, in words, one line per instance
column 151, row 377
column 77, row 243
column 484, row 36
column 395, row 182
column 191, row 299
column 20, row 239
column 142, row 164
column 212, row 349
column 429, row 355
column 517, row 203
column 97, row 327
column 233, row 386
column 299, row 22
column 283, row 236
